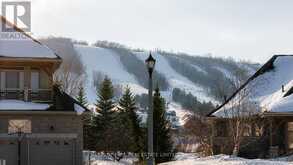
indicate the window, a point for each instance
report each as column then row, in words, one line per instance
column 247, row 130
column 221, row 129
column 12, row 79
column 258, row 130
column 35, row 81
column 44, row 80
column 19, row 125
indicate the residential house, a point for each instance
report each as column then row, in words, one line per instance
column 39, row 124
column 267, row 97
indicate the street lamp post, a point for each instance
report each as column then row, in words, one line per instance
column 150, row 63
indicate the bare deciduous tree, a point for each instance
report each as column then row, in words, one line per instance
column 198, row 127
column 71, row 74
column 240, row 112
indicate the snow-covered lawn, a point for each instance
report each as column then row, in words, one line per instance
column 192, row 159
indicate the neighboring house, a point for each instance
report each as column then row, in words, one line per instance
column 39, row 125
column 173, row 119
column 269, row 98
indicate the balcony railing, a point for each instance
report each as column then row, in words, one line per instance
column 39, row 95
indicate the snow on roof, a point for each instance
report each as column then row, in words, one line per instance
column 26, row 47
column 21, row 105
column 79, row 109
column 266, row 88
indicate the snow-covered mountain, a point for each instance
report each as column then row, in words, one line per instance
column 107, row 61
column 193, row 81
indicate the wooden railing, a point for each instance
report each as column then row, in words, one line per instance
column 39, row 95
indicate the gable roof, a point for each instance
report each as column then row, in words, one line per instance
column 27, row 47
column 266, row 86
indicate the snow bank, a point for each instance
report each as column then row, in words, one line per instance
column 21, row 105
column 190, row 159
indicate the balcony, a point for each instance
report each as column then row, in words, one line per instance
column 39, row 95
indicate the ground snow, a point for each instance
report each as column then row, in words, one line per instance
column 21, row 105
column 193, row 159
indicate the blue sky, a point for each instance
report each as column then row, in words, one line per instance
column 244, row 29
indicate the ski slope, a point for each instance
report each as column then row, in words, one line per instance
column 175, row 79
column 107, row 62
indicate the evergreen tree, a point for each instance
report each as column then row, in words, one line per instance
column 127, row 107
column 81, row 97
column 102, row 122
column 87, row 137
column 163, row 147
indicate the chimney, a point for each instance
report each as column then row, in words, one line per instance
column 283, row 89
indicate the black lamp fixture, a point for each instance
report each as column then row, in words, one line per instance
column 150, row 63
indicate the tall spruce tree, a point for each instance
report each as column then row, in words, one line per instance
column 127, row 107
column 163, row 146
column 87, row 136
column 102, row 121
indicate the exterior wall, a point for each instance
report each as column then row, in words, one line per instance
column 252, row 146
column 273, row 142
column 48, row 127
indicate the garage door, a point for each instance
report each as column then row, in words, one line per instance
column 8, row 151
column 51, row 152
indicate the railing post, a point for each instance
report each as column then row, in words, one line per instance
column 26, row 93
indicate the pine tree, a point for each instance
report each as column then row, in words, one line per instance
column 163, row 146
column 127, row 107
column 81, row 97
column 87, row 137
column 102, row 122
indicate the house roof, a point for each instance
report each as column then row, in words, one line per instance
column 26, row 47
column 266, row 88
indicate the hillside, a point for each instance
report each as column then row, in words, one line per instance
column 188, row 83
column 180, row 73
